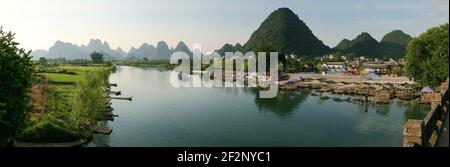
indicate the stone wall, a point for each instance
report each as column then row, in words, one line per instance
column 430, row 97
column 426, row 132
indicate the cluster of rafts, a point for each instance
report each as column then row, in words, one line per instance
column 109, row 115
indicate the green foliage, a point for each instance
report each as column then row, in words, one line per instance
column 96, row 57
column 286, row 33
column 319, row 67
column 292, row 65
column 52, row 128
column 42, row 61
column 64, row 78
column 267, row 49
column 62, row 121
column 427, row 57
column 281, row 67
column 16, row 77
column 89, row 99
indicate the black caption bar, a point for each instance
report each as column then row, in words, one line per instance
column 175, row 156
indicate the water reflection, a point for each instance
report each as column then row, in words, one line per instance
column 100, row 140
column 284, row 104
column 382, row 109
column 414, row 110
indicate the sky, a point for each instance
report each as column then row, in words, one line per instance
column 127, row 23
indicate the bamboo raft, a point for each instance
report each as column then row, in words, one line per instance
column 109, row 109
column 103, row 130
column 110, row 114
column 105, row 118
column 117, row 93
column 122, row 98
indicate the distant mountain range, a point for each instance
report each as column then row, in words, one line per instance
column 392, row 45
column 282, row 30
column 72, row 51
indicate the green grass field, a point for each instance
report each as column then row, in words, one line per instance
column 64, row 78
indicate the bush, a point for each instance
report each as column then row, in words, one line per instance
column 51, row 129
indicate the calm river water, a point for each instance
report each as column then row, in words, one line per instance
column 161, row 115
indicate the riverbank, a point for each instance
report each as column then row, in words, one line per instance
column 67, row 101
column 165, row 65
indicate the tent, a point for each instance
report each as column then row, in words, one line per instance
column 372, row 75
column 427, row 90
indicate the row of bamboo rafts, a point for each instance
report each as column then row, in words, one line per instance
column 356, row 89
column 117, row 93
column 108, row 110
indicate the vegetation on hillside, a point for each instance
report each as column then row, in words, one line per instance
column 392, row 45
column 286, row 33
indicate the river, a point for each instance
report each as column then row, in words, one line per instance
column 161, row 115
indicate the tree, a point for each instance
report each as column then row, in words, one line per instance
column 42, row 61
column 16, row 77
column 267, row 49
column 319, row 67
column 97, row 57
column 281, row 66
column 427, row 57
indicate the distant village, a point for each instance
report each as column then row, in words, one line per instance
column 357, row 66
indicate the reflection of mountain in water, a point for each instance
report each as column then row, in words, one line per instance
column 284, row 103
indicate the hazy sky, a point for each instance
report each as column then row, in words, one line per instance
column 126, row 23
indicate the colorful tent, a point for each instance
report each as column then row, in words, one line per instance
column 427, row 90
column 372, row 75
